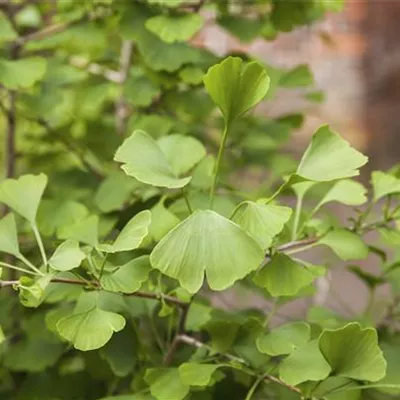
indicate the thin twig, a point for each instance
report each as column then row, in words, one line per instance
column 96, row 69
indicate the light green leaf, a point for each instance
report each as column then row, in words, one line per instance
column 127, row 278
column 7, row 31
column 175, row 28
column 306, row 363
column 31, row 291
column 246, row 29
column 391, row 353
column 91, row 329
column 144, row 160
column 347, row 245
column 347, row 192
column 67, row 256
column 194, row 374
column 162, row 221
column 2, row 336
column 203, row 172
column 192, row 75
column 285, row 339
column 21, row 74
column 167, row 3
column 209, row 243
column 182, row 152
column 236, row 87
column 198, row 315
column 132, row 235
column 84, row 230
column 262, row 221
column 9, row 236
column 283, row 277
column 353, row 352
column 329, row 157
column 23, row 194
column 384, row 184
column 165, row 384
column 298, row 76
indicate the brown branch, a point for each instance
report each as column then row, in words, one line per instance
column 198, row 344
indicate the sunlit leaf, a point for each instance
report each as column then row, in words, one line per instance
column 84, row 230
column 194, row 374
column 67, row 256
column 31, row 291
column 384, row 184
column 162, row 221
column 9, row 236
column 165, row 384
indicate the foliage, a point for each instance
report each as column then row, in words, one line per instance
column 125, row 218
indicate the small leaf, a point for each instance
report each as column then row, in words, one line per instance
column 67, row 256
column 283, row 277
column 131, row 235
column 306, row 363
column 21, row 74
column 127, row 278
column 298, row 76
column 91, row 329
column 194, row 374
column 347, row 245
column 347, row 192
column 384, row 184
column 85, row 231
column 175, row 28
column 192, row 75
column 9, row 236
column 2, row 336
column 284, row 339
column 7, row 31
column 165, row 384
column 144, row 160
column 23, row 194
column 329, row 157
column 208, row 243
column 162, row 221
column 31, row 291
column 353, row 352
column 236, row 87
column 262, row 221
column 182, row 152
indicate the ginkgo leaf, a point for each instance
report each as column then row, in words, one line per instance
column 298, row 76
column 23, row 194
column 282, row 276
column 7, row 31
column 165, row 384
column 175, row 28
column 131, row 235
column 162, row 221
column 284, row 339
column 384, row 184
column 195, row 374
column 2, row 336
column 23, row 73
column 129, row 277
column 236, row 87
column 306, row 363
column 9, row 236
column 347, row 245
column 182, row 152
column 143, row 159
column 347, row 192
column 85, row 230
column 353, row 352
column 67, row 256
column 262, row 221
column 329, row 157
column 91, row 329
column 207, row 243
column 31, row 290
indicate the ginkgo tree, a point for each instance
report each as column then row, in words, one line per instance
column 114, row 251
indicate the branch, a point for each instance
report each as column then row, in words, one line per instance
column 96, row 69
column 198, row 344
column 298, row 243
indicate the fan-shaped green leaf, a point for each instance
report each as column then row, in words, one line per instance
column 131, row 235
column 236, row 87
column 347, row 245
column 298, row 76
column 129, row 277
column 165, row 384
column 353, row 352
column 175, row 28
column 162, row 221
column 7, row 31
column 207, row 243
column 9, row 236
column 20, row 74
column 91, row 329
column 329, row 157
column 67, row 256
column 182, row 152
column 262, row 221
column 285, row 339
column 306, row 363
column 283, row 277
column 31, row 291
column 192, row 75
column 384, row 184
column 144, row 160
column 85, row 231
column 194, row 374
column 23, row 194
